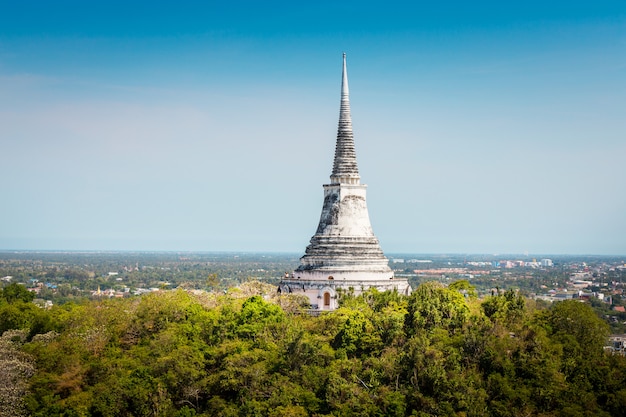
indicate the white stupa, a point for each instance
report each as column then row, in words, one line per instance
column 344, row 253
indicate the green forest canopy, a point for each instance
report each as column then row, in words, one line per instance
column 434, row 353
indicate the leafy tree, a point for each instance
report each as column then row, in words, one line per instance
column 576, row 319
column 464, row 287
column 19, row 315
column 258, row 316
column 212, row 281
column 390, row 323
column 432, row 305
column 508, row 307
column 356, row 335
column 16, row 292
column 15, row 369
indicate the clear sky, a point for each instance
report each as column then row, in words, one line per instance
column 480, row 127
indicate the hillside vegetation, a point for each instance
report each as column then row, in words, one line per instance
column 435, row 353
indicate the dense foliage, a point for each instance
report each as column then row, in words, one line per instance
column 435, row 353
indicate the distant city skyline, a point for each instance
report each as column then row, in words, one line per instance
column 479, row 128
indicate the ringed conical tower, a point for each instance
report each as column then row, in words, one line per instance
column 344, row 253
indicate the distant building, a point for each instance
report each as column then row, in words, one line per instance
column 41, row 303
column 344, row 254
column 616, row 344
column 547, row 263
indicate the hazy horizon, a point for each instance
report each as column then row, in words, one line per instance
column 479, row 128
column 390, row 255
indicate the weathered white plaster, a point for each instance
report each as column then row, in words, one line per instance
column 344, row 254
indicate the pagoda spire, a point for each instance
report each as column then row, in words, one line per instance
column 343, row 254
column 345, row 170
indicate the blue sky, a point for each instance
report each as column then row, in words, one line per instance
column 480, row 127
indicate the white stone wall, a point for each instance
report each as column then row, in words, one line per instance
column 320, row 292
column 345, row 275
column 344, row 212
